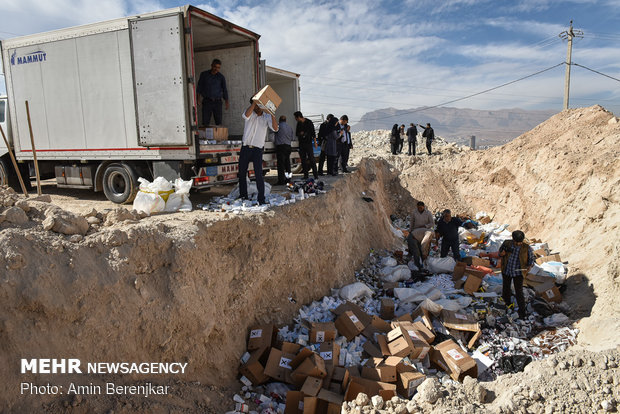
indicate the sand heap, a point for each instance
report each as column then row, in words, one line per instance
column 168, row 289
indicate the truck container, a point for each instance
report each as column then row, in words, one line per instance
column 116, row 100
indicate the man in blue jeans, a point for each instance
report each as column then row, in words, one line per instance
column 254, row 133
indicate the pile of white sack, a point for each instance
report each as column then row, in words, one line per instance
column 163, row 196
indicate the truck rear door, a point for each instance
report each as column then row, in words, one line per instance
column 160, row 82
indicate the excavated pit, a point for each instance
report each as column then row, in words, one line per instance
column 168, row 289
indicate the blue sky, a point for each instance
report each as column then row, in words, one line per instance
column 356, row 56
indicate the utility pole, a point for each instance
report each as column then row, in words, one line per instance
column 569, row 35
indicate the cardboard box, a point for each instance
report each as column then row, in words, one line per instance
column 538, row 279
column 420, row 346
column 449, row 357
column 372, row 349
column 380, row 324
column 404, row 318
column 399, row 342
column 331, row 397
column 365, row 318
column 337, row 379
column 408, row 383
column 311, row 406
column 383, row 345
column 459, row 271
column 294, row 402
column 377, row 370
column 313, row 366
column 387, row 309
column 330, row 353
column 213, row 133
column 279, row 365
column 254, row 368
column 549, row 292
column 323, row 332
column 267, row 99
column 477, row 261
column 370, row 388
column 261, row 337
column 349, row 325
column 457, row 321
column 312, row 386
column 425, row 333
column 550, row 258
column 424, row 316
column 474, row 280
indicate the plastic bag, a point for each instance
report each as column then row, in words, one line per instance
column 388, row 262
column 412, row 266
column 354, row 291
column 397, row 274
column 448, row 304
column 514, row 363
column 179, row 200
column 440, row 264
column 556, row 269
column 557, row 319
column 148, row 199
column 431, row 306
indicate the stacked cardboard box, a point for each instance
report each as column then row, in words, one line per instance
column 396, row 349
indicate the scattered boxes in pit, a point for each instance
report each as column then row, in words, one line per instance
column 384, row 346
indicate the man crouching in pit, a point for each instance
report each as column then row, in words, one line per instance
column 517, row 260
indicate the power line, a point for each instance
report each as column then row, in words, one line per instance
column 596, row 71
column 470, row 96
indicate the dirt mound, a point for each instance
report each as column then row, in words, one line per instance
column 170, row 290
column 557, row 182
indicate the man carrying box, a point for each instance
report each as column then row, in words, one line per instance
column 254, row 133
column 517, row 261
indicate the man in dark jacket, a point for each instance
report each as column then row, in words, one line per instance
column 307, row 138
column 282, row 141
column 412, row 136
column 448, row 229
column 429, row 134
column 345, row 142
column 323, row 142
column 212, row 89
column 517, row 261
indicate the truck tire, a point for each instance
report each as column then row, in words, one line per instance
column 120, row 183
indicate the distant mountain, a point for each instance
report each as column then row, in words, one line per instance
column 457, row 125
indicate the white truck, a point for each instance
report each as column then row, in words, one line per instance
column 116, row 100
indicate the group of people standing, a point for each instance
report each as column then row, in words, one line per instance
column 334, row 138
column 398, row 134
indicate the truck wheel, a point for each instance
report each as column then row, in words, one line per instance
column 120, row 184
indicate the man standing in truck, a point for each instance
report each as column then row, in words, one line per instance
column 212, row 89
column 254, row 134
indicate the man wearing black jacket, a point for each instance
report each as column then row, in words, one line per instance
column 429, row 134
column 412, row 136
column 307, row 137
column 323, row 142
column 448, row 229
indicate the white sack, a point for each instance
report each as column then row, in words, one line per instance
column 556, row 269
column 398, row 274
column 448, row 304
column 354, row 291
column 148, row 199
column 388, row 262
column 440, row 264
column 179, row 200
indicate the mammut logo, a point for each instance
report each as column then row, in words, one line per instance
column 34, row 57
